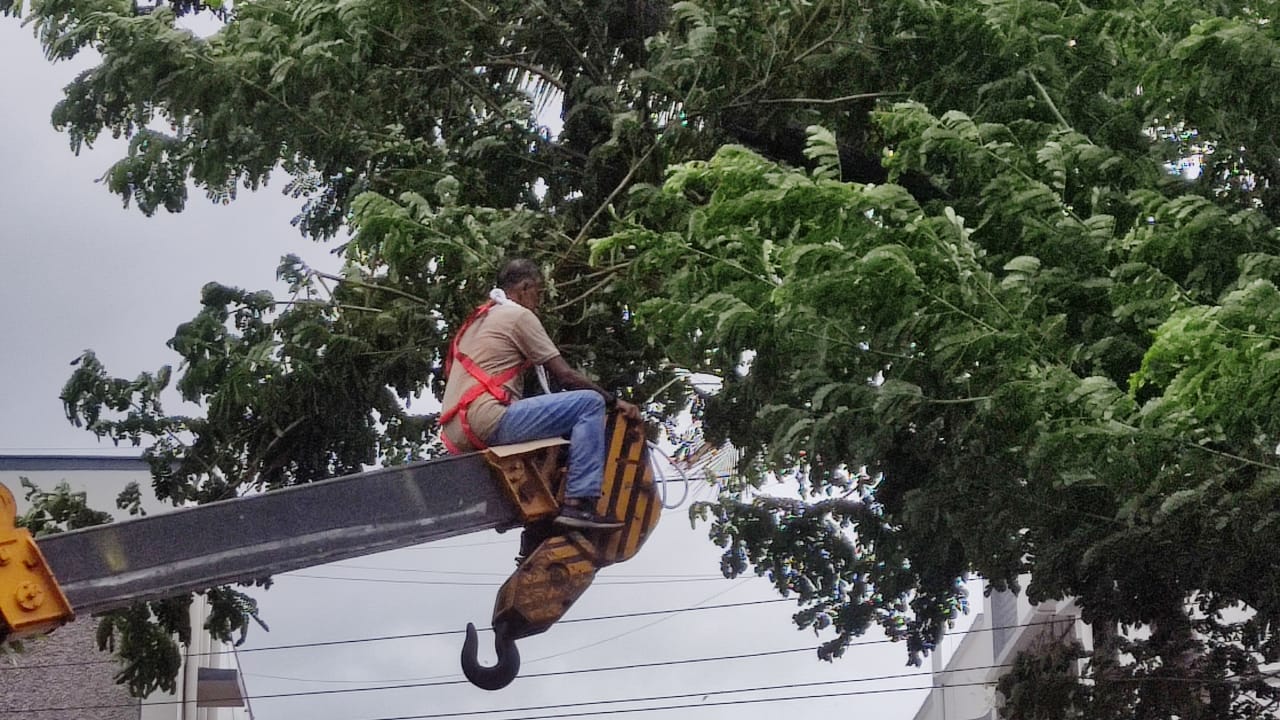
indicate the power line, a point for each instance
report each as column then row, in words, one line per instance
column 312, row 693
column 248, row 705
column 708, row 693
column 645, row 626
column 753, row 701
column 455, row 680
column 616, row 616
column 557, row 673
column 656, row 698
column 667, row 616
column 409, row 636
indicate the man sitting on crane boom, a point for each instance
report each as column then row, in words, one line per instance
column 483, row 398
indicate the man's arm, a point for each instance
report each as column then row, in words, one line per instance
column 569, row 378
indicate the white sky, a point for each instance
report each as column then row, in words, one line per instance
column 77, row 271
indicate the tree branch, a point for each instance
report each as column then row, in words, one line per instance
column 582, row 234
column 814, row 101
column 371, row 286
column 585, row 294
column 530, row 68
column 1044, row 95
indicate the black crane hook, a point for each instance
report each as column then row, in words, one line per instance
column 507, row 667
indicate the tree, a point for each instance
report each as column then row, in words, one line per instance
column 988, row 330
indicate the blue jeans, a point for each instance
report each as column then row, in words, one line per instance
column 577, row 415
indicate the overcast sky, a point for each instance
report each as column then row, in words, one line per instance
column 79, row 271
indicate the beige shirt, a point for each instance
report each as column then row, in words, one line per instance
column 506, row 336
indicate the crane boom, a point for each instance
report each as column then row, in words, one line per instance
column 108, row 566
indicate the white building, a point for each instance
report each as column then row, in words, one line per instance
column 965, row 672
column 64, row 675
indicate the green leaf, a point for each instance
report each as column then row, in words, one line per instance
column 821, row 147
column 1025, row 264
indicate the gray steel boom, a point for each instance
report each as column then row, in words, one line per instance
column 108, row 566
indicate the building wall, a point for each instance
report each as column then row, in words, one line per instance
column 964, row 679
column 26, row 685
column 959, row 677
column 81, row 675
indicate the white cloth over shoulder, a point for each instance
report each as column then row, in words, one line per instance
column 497, row 295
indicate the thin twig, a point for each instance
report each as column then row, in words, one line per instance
column 1232, row 456
column 297, row 114
column 963, row 312
column 551, row 80
column 662, row 389
column 585, row 294
column 1044, row 95
column 257, row 460
column 849, row 343
column 593, row 275
column 957, row 401
column 323, row 303
column 370, row 286
column 838, row 28
column 567, row 34
column 478, row 12
column 733, row 264
column 816, row 101
column 582, row 234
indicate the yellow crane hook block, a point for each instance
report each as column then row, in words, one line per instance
column 557, row 566
column 30, row 600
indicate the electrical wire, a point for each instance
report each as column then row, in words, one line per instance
column 409, row 636
column 269, row 696
column 611, row 638
column 752, row 701
column 709, row 693
column 454, row 679
column 557, row 673
column 632, row 631
column 655, row 698
column 248, row 705
column 675, row 696
column 634, row 666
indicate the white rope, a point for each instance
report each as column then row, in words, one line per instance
column 657, row 474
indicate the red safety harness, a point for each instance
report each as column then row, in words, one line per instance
column 485, row 383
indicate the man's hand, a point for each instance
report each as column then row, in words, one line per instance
column 629, row 411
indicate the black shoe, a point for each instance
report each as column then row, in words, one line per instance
column 582, row 516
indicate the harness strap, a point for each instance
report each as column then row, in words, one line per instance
column 453, row 346
column 485, row 383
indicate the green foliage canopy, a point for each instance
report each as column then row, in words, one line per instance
column 988, row 329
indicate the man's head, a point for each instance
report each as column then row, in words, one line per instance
column 521, row 280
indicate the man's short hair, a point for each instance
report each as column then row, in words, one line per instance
column 516, row 271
